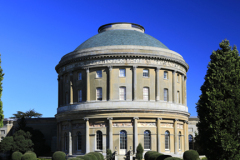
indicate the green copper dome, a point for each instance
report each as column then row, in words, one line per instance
column 121, row 34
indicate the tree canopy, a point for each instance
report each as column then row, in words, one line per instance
column 219, row 105
column 29, row 114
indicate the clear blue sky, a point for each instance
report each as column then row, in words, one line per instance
column 35, row 34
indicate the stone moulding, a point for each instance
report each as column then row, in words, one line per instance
column 167, row 125
column 147, row 124
column 122, row 124
column 97, row 125
column 125, row 61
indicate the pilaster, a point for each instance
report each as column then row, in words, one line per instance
column 159, row 134
column 87, row 85
column 135, row 134
column 175, row 137
column 70, row 138
column 110, row 133
column 87, row 135
column 174, row 86
column 157, row 84
column 110, row 83
column 134, row 83
column 186, row 143
column 71, row 88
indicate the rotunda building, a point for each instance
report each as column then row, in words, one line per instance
column 120, row 88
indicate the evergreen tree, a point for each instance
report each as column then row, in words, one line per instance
column 29, row 114
column 1, row 105
column 139, row 154
column 219, row 105
column 6, row 144
column 22, row 141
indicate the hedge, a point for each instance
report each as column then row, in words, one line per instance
column 148, row 153
column 154, row 156
column 16, row 155
column 163, row 157
column 29, row 156
column 191, row 155
column 173, row 158
column 59, row 155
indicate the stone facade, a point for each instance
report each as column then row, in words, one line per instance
column 116, row 95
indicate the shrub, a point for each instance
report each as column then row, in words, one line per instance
column 147, row 154
column 154, row 156
column 31, row 152
column 191, row 155
column 173, row 158
column 163, row 157
column 98, row 155
column 204, row 158
column 16, row 155
column 109, row 154
column 85, row 157
column 29, row 156
column 91, row 156
column 59, row 155
column 139, row 152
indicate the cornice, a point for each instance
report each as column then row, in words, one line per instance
column 126, row 55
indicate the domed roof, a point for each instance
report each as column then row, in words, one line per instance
column 121, row 34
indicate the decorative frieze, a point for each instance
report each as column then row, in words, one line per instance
column 122, row 124
column 124, row 61
column 93, row 125
column 150, row 124
column 167, row 125
column 180, row 126
column 78, row 126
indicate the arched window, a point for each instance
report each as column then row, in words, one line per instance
column 179, row 140
column 190, row 139
column 123, row 139
column 147, row 139
column 66, row 141
column 79, row 141
column 167, row 140
column 99, row 140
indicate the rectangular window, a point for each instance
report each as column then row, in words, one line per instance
column 2, row 132
column 79, row 76
column 122, row 93
column 79, row 95
column 99, row 74
column 122, row 72
column 145, row 94
column 145, row 73
column 99, row 94
column 165, row 94
column 165, row 75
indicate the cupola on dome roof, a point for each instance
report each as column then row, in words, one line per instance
column 121, row 34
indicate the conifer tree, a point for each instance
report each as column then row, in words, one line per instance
column 1, row 105
column 219, row 105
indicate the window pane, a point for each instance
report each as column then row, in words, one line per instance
column 99, row 140
column 147, row 140
column 79, row 141
column 99, row 74
column 79, row 76
column 165, row 74
column 123, row 140
column 122, row 93
column 145, row 94
column 122, row 73
column 99, row 94
column 167, row 140
column 145, row 73
column 190, row 139
column 79, row 95
column 165, row 94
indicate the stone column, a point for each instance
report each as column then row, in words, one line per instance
column 134, row 83
column 71, row 88
column 135, row 134
column 70, row 138
column 157, row 84
column 175, row 137
column 60, row 91
column 174, row 87
column 59, row 136
column 186, row 143
column 159, row 134
column 87, row 85
column 183, row 90
column 110, row 83
column 87, row 136
column 110, row 133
